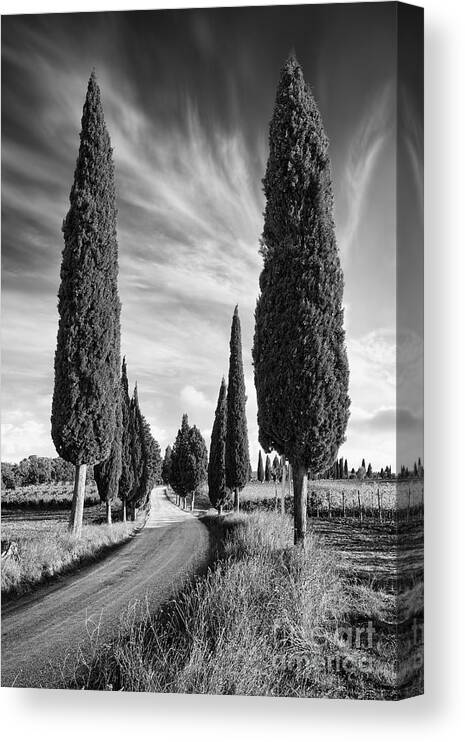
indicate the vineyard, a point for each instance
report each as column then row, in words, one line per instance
column 398, row 500
column 46, row 496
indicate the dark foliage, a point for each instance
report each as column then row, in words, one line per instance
column 166, row 466
column 267, row 469
column 126, row 481
column 217, row 490
column 237, row 443
column 88, row 345
column 138, row 493
column 107, row 474
column 189, row 460
column 301, row 369
column 260, row 469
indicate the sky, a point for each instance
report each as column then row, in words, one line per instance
column 188, row 96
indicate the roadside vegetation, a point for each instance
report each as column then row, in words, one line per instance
column 267, row 619
column 37, row 546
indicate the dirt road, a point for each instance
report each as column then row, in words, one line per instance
column 39, row 630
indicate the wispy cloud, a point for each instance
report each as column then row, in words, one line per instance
column 366, row 144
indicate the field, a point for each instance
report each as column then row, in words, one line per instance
column 393, row 499
column 271, row 620
column 34, row 522
column 46, row 495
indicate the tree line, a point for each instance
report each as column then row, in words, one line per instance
column 36, row 470
column 186, row 465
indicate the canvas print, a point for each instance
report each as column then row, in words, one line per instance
column 212, row 345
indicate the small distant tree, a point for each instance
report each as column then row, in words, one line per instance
column 8, row 476
column 218, row 492
column 346, row 470
column 267, row 469
column 237, row 442
column 88, row 343
column 107, row 474
column 369, row 471
column 361, row 473
column 260, row 469
column 166, row 468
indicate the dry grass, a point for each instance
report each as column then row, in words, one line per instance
column 267, row 619
column 45, row 549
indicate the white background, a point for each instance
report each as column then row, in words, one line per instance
column 35, row 715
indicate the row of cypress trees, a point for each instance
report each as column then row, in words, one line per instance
column 134, row 464
column 301, row 370
column 229, row 463
column 271, row 470
column 93, row 421
column 185, row 464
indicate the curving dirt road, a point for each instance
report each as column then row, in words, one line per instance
column 40, row 629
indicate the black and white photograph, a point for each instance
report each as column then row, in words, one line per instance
column 212, row 351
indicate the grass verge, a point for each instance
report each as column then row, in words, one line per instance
column 267, row 619
column 45, row 551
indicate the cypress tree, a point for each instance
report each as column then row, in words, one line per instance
column 260, row 470
column 217, row 490
column 198, row 462
column 300, row 361
column 178, row 456
column 166, row 467
column 152, row 461
column 107, row 474
column 138, row 453
column 369, row 471
column 346, row 469
column 126, row 481
column 189, row 461
column 267, row 469
column 88, row 343
column 237, row 443
column 363, row 463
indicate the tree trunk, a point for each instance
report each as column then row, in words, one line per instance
column 193, row 501
column 283, row 485
column 300, row 503
column 108, row 506
column 275, row 494
column 220, row 509
column 124, row 511
column 77, row 506
column 236, row 499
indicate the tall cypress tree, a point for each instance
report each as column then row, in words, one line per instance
column 138, row 451
column 237, row 443
column 126, row 481
column 178, row 458
column 300, row 361
column 267, row 469
column 217, row 490
column 88, row 344
column 108, row 473
column 166, row 467
column 260, row 470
